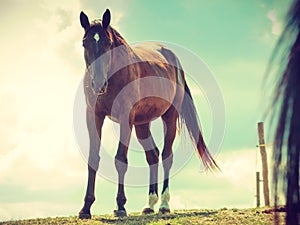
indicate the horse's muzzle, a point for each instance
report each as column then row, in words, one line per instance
column 103, row 89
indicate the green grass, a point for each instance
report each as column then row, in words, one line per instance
column 221, row 216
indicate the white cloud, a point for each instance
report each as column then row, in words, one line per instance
column 95, row 10
column 276, row 24
column 37, row 94
column 234, row 187
column 116, row 19
column 15, row 211
column 239, row 167
column 40, row 74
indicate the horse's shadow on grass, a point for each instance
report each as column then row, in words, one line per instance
column 143, row 219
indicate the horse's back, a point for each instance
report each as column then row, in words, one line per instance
column 158, row 81
column 161, row 60
column 149, row 51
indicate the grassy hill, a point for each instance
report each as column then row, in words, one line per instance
column 221, row 216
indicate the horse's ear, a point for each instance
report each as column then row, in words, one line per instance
column 84, row 20
column 106, row 19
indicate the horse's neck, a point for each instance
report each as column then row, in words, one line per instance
column 122, row 54
column 119, row 43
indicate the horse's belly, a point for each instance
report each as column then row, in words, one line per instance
column 149, row 109
column 142, row 112
column 143, row 100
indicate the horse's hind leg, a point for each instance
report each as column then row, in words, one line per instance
column 170, row 118
column 152, row 155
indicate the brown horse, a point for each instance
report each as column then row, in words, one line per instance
column 133, row 86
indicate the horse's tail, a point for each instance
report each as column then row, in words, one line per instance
column 189, row 117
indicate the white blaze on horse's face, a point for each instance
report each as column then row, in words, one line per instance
column 96, row 37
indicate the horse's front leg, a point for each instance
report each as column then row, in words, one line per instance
column 94, row 125
column 121, row 164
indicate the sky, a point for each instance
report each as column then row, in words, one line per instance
column 42, row 169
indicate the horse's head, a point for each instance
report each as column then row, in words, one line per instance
column 97, row 42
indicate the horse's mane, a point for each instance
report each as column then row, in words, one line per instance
column 117, row 38
column 287, row 97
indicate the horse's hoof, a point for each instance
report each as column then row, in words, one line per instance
column 147, row 211
column 164, row 210
column 120, row 213
column 84, row 216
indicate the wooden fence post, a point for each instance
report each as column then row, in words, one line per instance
column 264, row 160
column 257, row 190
